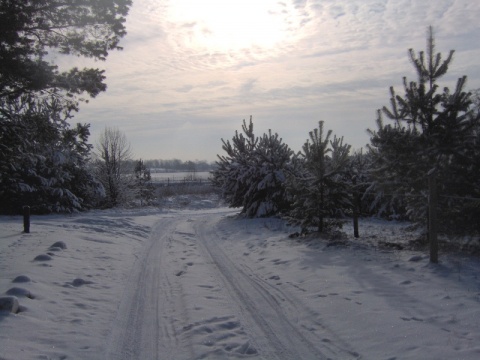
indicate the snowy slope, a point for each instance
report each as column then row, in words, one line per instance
column 201, row 283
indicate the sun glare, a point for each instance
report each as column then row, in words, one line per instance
column 232, row 25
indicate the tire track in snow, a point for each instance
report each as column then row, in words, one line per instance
column 268, row 313
column 263, row 312
column 172, row 307
column 140, row 322
column 187, row 299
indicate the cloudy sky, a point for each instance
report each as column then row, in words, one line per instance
column 192, row 70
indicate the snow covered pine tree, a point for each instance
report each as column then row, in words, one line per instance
column 430, row 130
column 252, row 175
column 43, row 162
column 143, row 183
column 319, row 187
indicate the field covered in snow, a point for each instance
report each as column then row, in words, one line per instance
column 180, row 176
column 198, row 282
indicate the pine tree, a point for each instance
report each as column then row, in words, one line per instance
column 431, row 129
column 358, row 177
column 233, row 170
column 44, row 161
column 30, row 29
column 319, row 187
column 266, row 195
column 143, row 183
column 252, row 175
column 397, row 179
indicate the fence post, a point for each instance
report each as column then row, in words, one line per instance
column 432, row 216
column 26, row 219
column 356, row 208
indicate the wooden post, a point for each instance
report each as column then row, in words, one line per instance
column 355, row 208
column 26, row 219
column 432, row 217
column 355, row 224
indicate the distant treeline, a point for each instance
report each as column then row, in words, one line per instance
column 179, row 165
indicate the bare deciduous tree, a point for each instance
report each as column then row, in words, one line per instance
column 112, row 155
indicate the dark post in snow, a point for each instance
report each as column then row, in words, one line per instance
column 432, row 216
column 356, row 209
column 26, row 219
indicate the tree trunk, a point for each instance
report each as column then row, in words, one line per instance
column 432, row 217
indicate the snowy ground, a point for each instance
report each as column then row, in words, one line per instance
column 199, row 283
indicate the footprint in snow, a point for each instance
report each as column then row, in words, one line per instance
column 412, row 318
column 279, row 262
column 206, row 286
column 77, row 283
column 416, row 258
column 221, row 334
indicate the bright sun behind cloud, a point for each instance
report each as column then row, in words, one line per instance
column 233, row 25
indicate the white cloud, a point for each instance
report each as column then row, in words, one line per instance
column 332, row 60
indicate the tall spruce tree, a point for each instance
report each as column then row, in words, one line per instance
column 431, row 129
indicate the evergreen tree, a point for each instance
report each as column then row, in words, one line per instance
column 143, row 183
column 431, row 129
column 319, row 187
column 398, row 180
column 266, row 187
column 359, row 177
column 252, row 174
column 43, row 160
column 29, row 29
column 233, row 170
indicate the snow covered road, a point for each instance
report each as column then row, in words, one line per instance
column 188, row 299
column 204, row 284
column 210, row 286
column 270, row 313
